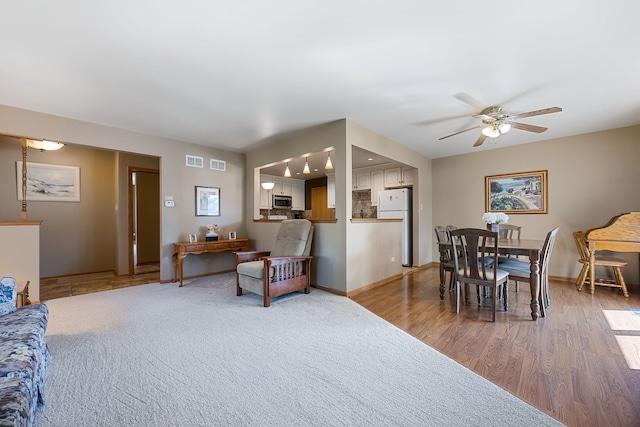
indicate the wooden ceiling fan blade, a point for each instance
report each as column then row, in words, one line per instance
column 469, row 100
column 480, row 140
column 443, row 119
column 458, row 133
column 529, row 128
column 538, row 112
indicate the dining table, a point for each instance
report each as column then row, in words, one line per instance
column 527, row 247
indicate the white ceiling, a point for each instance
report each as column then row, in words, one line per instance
column 237, row 74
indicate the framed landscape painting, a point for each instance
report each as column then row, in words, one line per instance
column 49, row 183
column 517, row 193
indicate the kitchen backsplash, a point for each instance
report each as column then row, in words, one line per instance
column 361, row 205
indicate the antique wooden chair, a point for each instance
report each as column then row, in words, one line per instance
column 521, row 270
column 285, row 269
column 603, row 261
column 478, row 250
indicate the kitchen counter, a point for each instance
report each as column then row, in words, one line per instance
column 314, row 220
column 366, row 220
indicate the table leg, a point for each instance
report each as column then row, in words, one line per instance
column 174, row 264
column 180, row 259
column 535, row 283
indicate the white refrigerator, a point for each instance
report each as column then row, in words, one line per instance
column 397, row 204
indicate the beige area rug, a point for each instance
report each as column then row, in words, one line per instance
column 159, row 355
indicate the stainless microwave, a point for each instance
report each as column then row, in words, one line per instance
column 281, row 202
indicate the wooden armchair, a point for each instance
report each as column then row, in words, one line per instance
column 285, row 269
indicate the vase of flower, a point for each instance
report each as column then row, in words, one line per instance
column 494, row 220
column 212, row 233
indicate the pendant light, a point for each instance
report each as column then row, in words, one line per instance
column 287, row 172
column 306, row 170
column 329, row 165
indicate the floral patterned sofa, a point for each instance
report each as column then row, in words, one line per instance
column 24, row 357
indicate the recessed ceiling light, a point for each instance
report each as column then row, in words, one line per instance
column 370, row 158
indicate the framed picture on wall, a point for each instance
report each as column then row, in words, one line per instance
column 207, row 201
column 516, row 193
column 49, row 183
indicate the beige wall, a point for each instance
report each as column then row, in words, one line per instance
column 85, row 230
column 177, row 180
column 329, row 241
column 591, row 178
column 343, row 250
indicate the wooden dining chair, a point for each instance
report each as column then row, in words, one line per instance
column 603, row 261
column 442, row 235
column 478, row 250
column 509, row 231
column 521, row 270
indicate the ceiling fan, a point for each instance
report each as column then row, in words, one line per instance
column 496, row 122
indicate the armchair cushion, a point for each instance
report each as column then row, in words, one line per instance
column 294, row 238
column 8, row 293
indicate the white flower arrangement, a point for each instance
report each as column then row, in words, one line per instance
column 495, row 218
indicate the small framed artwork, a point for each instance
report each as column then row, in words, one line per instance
column 193, row 238
column 517, row 193
column 232, row 235
column 207, row 201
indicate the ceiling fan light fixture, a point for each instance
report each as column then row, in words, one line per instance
column 504, row 128
column 287, row 172
column 306, row 170
column 329, row 165
column 490, row 131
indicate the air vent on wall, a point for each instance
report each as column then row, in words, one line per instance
column 195, row 161
column 218, row 165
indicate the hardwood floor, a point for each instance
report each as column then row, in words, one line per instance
column 66, row 286
column 568, row 364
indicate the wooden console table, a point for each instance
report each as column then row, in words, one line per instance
column 181, row 250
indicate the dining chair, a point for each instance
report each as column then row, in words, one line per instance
column 604, row 261
column 442, row 235
column 521, row 270
column 477, row 247
column 509, row 231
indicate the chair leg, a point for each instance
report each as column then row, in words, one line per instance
column 267, row 301
column 495, row 303
column 505, row 292
column 517, row 286
column 582, row 277
column 457, row 297
column 621, row 282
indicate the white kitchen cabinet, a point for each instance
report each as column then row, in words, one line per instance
column 331, row 190
column 393, row 177
column 361, row 181
column 407, row 176
column 282, row 188
column 297, row 196
column 377, row 184
column 398, row 177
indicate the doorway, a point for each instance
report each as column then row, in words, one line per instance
column 144, row 220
